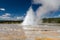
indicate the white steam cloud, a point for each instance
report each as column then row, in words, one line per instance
column 30, row 18
column 47, row 6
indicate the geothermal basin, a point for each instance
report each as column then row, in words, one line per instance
column 35, row 32
column 43, row 32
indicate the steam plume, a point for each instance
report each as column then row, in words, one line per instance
column 30, row 18
column 47, row 6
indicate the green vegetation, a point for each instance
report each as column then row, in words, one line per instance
column 51, row 20
column 10, row 21
column 45, row 20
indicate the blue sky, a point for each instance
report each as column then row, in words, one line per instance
column 12, row 9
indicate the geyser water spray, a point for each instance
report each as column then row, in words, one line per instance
column 47, row 7
column 33, row 32
column 30, row 18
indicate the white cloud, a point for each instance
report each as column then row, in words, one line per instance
column 57, row 16
column 5, row 16
column 2, row 9
column 20, row 18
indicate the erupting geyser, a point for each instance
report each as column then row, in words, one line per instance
column 30, row 18
column 45, row 30
column 47, row 7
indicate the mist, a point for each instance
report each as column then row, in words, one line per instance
column 47, row 6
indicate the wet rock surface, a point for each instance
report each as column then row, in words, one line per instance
column 11, row 32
